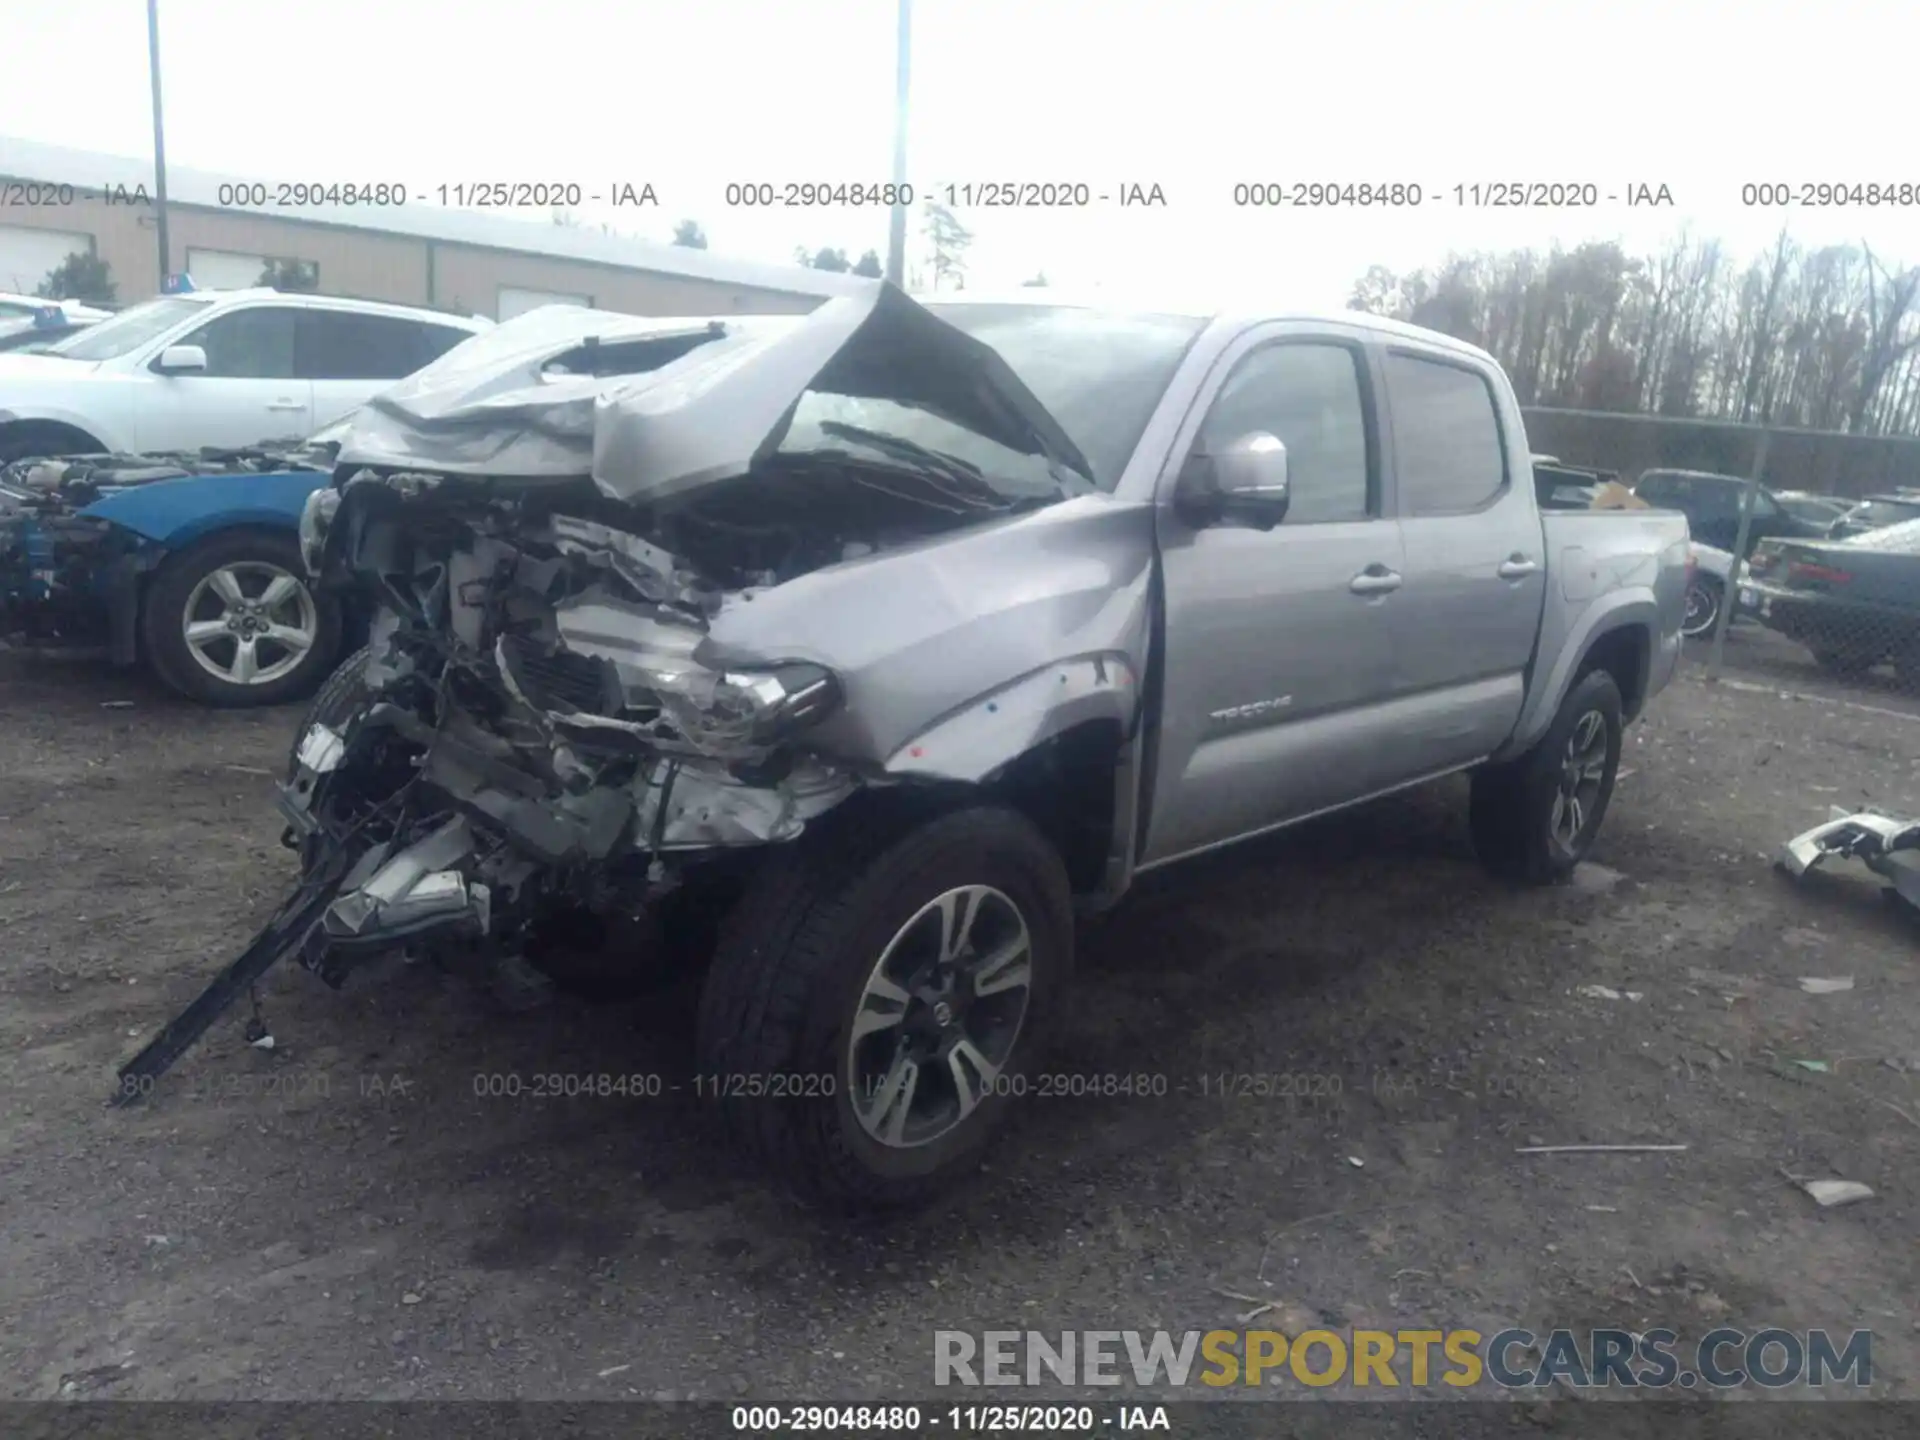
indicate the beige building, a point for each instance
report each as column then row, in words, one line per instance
column 55, row 201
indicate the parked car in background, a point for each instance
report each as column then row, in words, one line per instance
column 1711, row 504
column 190, row 562
column 1825, row 510
column 227, row 369
column 1854, row 602
column 1877, row 512
column 27, row 307
column 50, row 323
column 910, row 630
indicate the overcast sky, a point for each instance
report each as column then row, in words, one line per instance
column 1193, row 97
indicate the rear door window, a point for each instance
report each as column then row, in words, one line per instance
column 1446, row 436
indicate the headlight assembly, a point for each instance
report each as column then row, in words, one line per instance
column 784, row 700
column 316, row 518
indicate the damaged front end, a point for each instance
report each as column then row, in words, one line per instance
column 1887, row 846
column 536, row 726
column 553, row 523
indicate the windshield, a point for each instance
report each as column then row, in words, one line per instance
column 1810, row 508
column 129, row 330
column 1098, row 373
column 9, row 309
column 1873, row 514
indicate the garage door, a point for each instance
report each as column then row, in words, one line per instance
column 26, row 256
column 517, row 302
column 224, row 269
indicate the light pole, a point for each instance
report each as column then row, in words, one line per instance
column 897, row 222
column 159, row 141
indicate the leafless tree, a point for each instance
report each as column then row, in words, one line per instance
column 1826, row 338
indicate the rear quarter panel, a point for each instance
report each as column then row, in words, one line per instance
column 1606, row 570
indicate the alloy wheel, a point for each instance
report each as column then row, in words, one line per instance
column 1703, row 608
column 250, row 622
column 1583, row 770
column 939, row 1016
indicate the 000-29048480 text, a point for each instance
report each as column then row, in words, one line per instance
column 803, row 1419
column 815, row 194
column 1822, row 194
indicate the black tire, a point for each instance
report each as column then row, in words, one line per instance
column 1843, row 660
column 35, row 438
column 1703, row 601
column 335, row 701
column 255, row 557
column 791, row 971
column 1513, row 810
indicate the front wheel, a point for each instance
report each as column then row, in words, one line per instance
column 231, row 621
column 344, row 692
column 875, row 1006
column 1536, row 817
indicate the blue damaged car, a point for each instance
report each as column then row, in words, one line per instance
column 187, row 562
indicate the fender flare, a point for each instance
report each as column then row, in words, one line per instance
column 1631, row 610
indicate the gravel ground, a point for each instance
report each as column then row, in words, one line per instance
column 346, row 1217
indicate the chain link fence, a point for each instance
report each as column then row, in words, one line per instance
column 1794, row 586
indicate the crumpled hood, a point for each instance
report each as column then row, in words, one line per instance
column 652, row 407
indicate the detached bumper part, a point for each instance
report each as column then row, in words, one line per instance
column 287, row 933
column 413, row 891
column 1887, row 846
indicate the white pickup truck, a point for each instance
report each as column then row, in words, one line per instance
column 226, row 369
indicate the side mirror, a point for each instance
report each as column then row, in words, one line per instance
column 1244, row 481
column 181, row 360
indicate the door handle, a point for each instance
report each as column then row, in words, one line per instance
column 1518, row 568
column 285, row 405
column 1375, row 580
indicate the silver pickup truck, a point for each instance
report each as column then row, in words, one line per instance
column 903, row 632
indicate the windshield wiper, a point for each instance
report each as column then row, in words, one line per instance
column 959, row 480
column 912, row 451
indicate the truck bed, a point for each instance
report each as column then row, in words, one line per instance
column 1601, row 563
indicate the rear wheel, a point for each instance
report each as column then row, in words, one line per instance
column 231, row 621
column 875, row 1004
column 1704, row 598
column 1536, row 817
